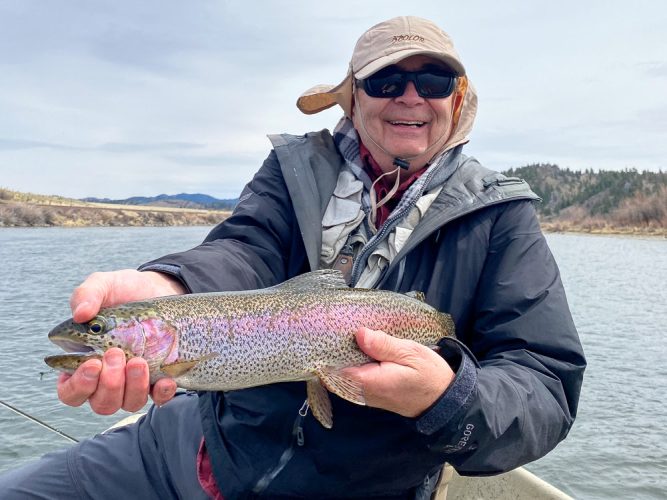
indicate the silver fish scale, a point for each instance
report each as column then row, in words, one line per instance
column 251, row 339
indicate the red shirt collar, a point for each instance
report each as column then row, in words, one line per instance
column 373, row 169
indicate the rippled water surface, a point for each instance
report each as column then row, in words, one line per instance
column 617, row 288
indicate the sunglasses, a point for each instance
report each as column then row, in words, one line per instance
column 431, row 82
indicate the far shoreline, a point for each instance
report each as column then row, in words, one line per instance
column 41, row 211
column 221, row 216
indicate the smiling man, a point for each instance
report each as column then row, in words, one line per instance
column 409, row 108
column 392, row 202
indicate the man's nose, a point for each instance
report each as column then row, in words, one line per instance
column 410, row 96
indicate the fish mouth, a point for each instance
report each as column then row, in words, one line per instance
column 70, row 337
column 70, row 346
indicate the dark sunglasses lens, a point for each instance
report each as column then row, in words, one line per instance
column 434, row 85
column 384, row 84
column 391, row 81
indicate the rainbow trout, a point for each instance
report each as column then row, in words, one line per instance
column 300, row 330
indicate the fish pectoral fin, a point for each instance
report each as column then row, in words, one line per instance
column 319, row 402
column 179, row 368
column 342, row 386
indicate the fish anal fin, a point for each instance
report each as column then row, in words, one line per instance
column 179, row 368
column 342, row 386
column 319, row 402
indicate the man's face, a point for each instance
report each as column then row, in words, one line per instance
column 405, row 126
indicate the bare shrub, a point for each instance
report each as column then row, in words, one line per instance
column 642, row 210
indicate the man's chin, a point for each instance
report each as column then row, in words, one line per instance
column 410, row 153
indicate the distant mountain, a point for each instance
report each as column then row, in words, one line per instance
column 182, row 200
column 618, row 202
column 625, row 198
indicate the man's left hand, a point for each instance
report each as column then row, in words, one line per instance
column 406, row 377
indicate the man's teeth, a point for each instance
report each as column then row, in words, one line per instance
column 409, row 124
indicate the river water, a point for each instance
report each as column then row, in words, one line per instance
column 617, row 288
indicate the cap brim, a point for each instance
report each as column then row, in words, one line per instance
column 395, row 57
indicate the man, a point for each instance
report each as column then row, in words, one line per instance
column 392, row 202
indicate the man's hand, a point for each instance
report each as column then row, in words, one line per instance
column 407, row 377
column 112, row 384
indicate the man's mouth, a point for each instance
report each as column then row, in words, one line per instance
column 412, row 123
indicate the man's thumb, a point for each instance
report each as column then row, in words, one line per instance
column 378, row 345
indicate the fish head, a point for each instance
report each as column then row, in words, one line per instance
column 136, row 328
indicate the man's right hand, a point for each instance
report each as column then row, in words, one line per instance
column 112, row 384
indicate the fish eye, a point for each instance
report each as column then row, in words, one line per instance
column 96, row 326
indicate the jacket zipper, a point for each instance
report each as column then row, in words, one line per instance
column 298, row 441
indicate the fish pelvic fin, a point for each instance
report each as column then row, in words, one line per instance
column 342, row 386
column 319, row 402
column 180, row 368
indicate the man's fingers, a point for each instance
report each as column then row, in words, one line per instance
column 406, row 378
column 382, row 347
column 106, row 289
column 163, row 390
column 136, row 384
column 74, row 390
column 109, row 396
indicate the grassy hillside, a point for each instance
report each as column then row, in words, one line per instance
column 624, row 201
column 627, row 202
column 28, row 209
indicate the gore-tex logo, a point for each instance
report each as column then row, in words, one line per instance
column 407, row 38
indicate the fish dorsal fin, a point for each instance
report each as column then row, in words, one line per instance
column 323, row 279
column 416, row 295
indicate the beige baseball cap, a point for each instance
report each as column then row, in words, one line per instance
column 384, row 44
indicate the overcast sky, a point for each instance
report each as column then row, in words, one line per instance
column 122, row 98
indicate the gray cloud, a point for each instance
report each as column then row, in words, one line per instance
column 121, row 98
column 17, row 144
column 656, row 69
column 111, row 147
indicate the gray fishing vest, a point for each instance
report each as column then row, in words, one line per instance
column 326, row 199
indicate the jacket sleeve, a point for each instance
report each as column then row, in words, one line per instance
column 250, row 249
column 518, row 398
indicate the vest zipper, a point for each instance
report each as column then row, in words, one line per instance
column 386, row 228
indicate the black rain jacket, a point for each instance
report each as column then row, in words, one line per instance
column 478, row 255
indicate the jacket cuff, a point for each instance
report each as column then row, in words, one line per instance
column 169, row 269
column 458, row 394
column 172, row 270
